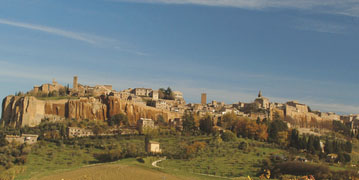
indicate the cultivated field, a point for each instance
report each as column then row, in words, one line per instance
column 113, row 172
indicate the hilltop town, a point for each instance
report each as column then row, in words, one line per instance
column 100, row 102
column 270, row 139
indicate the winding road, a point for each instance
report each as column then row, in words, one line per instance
column 154, row 164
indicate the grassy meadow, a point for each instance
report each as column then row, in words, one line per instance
column 75, row 158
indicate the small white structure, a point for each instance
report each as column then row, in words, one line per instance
column 154, row 147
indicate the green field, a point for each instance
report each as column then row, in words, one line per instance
column 221, row 159
column 224, row 159
column 49, row 159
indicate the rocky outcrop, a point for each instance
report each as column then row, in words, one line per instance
column 86, row 108
column 29, row 111
column 135, row 111
column 22, row 111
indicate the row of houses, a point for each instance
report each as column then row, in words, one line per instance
column 142, row 124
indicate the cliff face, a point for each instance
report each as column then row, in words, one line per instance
column 22, row 111
column 135, row 111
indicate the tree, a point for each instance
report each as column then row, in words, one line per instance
column 62, row 91
column 303, row 142
column 258, row 120
column 282, row 138
column 97, row 130
column 262, row 133
column 165, row 93
column 189, row 124
column 341, row 128
column 228, row 120
column 249, row 128
column 328, row 148
column 206, row 124
column 161, row 93
column 348, row 147
column 118, row 120
column 169, row 94
column 310, row 144
column 274, row 128
column 294, row 139
column 228, row 136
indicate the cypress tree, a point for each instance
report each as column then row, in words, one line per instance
column 310, row 144
column 328, row 148
column 303, row 142
column 348, row 147
column 294, row 140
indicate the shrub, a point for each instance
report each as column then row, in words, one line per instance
column 109, row 155
column 228, row 136
column 141, row 160
column 194, row 148
column 243, row 146
column 302, row 169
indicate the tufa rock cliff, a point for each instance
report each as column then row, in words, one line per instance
column 29, row 111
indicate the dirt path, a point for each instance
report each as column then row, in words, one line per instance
column 154, row 164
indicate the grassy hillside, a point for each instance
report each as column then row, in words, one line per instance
column 114, row 171
column 50, row 160
column 74, row 159
column 225, row 159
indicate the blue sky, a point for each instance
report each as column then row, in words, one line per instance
column 291, row 50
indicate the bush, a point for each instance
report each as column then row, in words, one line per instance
column 109, row 155
column 302, row 169
column 228, row 136
column 141, row 160
column 243, row 146
column 194, row 148
column 13, row 154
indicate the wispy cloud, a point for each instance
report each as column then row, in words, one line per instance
column 68, row 34
column 345, row 7
column 320, row 26
column 99, row 41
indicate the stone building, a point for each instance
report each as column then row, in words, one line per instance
column 261, row 101
column 159, row 104
column 177, row 94
column 79, row 132
column 176, row 123
column 144, row 123
column 48, row 88
column 75, row 83
column 203, row 98
column 296, row 106
column 154, row 95
column 84, row 90
column 153, row 147
column 142, row 92
column 24, row 138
